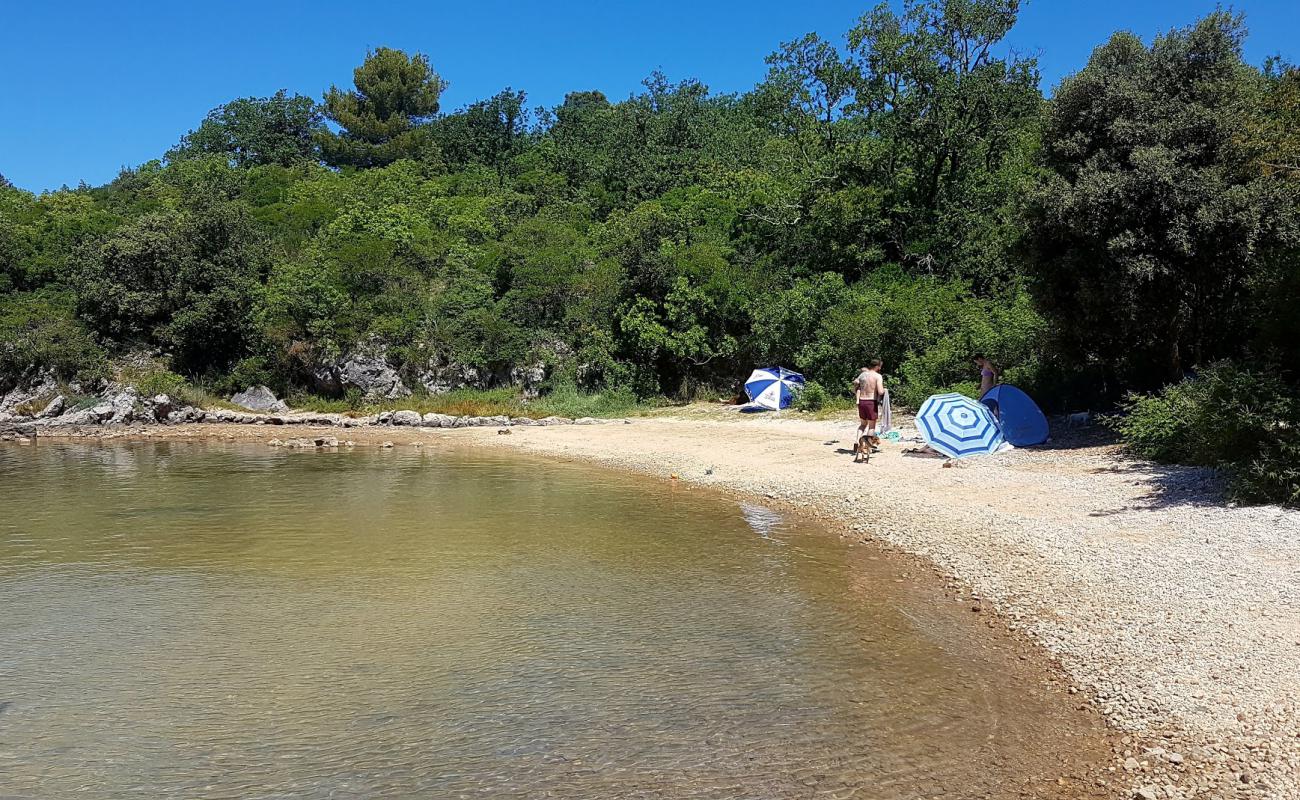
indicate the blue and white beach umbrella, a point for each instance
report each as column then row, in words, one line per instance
column 957, row 426
column 774, row 387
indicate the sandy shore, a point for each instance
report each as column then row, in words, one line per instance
column 1177, row 615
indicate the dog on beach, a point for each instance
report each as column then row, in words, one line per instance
column 866, row 444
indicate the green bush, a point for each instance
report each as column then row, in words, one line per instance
column 814, row 397
column 1244, row 421
column 38, row 330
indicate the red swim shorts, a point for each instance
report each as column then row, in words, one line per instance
column 867, row 410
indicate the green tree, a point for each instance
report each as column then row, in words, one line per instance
column 385, row 117
column 490, row 132
column 1147, row 234
column 185, row 281
column 256, row 131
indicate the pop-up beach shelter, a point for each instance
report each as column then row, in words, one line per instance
column 1022, row 422
column 774, row 388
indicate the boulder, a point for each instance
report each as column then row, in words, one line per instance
column 410, row 418
column 368, row 370
column 523, row 421
column 86, row 416
column 186, row 414
column 554, row 421
column 437, row 421
column 53, row 408
column 260, row 398
column 586, row 421
column 123, row 406
column 160, row 406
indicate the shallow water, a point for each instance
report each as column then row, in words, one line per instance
column 187, row 620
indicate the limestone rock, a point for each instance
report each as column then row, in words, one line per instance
column 260, row 398
column 410, row 418
column 366, row 369
column 437, row 421
column 53, row 408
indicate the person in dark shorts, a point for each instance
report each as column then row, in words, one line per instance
column 869, row 387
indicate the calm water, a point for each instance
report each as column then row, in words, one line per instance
column 238, row 621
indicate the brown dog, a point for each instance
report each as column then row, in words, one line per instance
column 866, row 444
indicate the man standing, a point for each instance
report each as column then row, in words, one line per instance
column 869, row 387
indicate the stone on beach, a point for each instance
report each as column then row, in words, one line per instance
column 260, row 399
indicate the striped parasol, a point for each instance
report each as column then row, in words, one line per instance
column 957, row 426
column 773, row 387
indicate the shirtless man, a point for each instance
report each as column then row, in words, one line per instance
column 869, row 387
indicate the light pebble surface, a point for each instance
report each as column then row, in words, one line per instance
column 1177, row 614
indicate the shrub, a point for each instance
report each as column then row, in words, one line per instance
column 38, row 330
column 814, row 397
column 1244, row 421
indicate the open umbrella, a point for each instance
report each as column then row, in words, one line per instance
column 773, row 387
column 957, row 426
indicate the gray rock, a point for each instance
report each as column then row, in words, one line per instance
column 586, row 421
column 523, row 421
column 410, row 418
column 82, row 417
column 187, row 414
column 260, row 398
column 21, row 429
column 124, row 406
column 463, row 422
column 554, row 421
column 160, row 405
column 529, row 379
column 437, row 421
column 53, row 408
column 369, row 371
column 440, row 377
column 25, row 391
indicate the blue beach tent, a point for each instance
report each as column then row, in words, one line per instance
column 773, row 388
column 1022, row 422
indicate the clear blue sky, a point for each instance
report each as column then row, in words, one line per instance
column 88, row 87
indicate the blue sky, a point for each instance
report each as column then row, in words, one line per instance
column 89, row 87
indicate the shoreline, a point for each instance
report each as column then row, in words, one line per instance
column 1120, row 572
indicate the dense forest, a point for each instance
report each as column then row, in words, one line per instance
column 1131, row 241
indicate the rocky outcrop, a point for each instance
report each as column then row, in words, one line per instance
column 24, row 391
column 367, row 369
column 260, row 398
column 441, row 377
